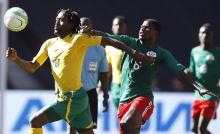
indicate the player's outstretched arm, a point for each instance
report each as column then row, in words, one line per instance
column 29, row 66
column 138, row 56
column 90, row 31
column 187, row 78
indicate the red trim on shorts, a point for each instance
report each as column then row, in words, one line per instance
column 143, row 104
column 205, row 108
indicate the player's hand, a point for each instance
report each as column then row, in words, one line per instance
column 11, row 54
column 105, row 105
column 204, row 91
column 85, row 30
column 143, row 58
column 105, row 102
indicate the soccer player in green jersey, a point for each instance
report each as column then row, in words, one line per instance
column 136, row 102
column 205, row 68
column 114, row 57
column 66, row 53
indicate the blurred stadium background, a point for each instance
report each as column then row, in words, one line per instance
column 22, row 94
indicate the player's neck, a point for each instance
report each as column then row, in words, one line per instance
column 62, row 35
column 149, row 43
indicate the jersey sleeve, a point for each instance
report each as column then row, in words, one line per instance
column 103, row 61
column 192, row 63
column 172, row 63
column 124, row 38
column 42, row 55
column 87, row 40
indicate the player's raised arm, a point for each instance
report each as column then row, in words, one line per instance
column 29, row 66
column 138, row 56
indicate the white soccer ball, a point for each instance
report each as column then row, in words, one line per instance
column 15, row 19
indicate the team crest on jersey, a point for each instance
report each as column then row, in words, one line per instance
column 138, row 65
column 209, row 58
column 151, row 54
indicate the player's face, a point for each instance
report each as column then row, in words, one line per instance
column 147, row 32
column 62, row 26
column 119, row 27
column 205, row 36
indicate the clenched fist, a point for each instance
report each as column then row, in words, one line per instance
column 11, row 54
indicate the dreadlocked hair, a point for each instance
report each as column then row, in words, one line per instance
column 73, row 18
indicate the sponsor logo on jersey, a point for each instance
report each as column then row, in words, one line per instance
column 152, row 54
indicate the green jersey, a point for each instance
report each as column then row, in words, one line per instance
column 205, row 65
column 137, row 77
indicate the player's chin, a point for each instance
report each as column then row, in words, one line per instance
column 140, row 37
column 56, row 32
column 144, row 38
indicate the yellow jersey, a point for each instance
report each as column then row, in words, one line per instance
column 66, row 57
column 114, row 58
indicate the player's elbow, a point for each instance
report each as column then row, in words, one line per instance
column 33, row 67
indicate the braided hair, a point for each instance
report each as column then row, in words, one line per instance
column 73, row 18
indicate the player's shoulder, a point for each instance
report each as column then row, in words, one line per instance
column 131, row 38
column 196, row 48
column 162, row 50
column 51, row 41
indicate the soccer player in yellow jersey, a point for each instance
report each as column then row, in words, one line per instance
column 66, row 53
column 114, row 57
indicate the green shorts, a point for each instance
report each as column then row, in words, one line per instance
column 116, row 93
column 73, row 107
